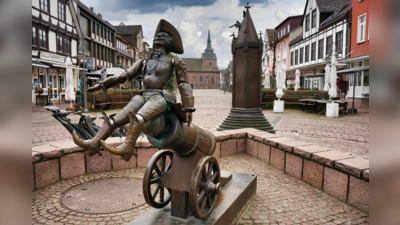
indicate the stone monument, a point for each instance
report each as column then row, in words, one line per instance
column 246, row 111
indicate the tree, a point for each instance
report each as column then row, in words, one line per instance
column 271, row 44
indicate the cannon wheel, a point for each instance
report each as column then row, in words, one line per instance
column 204, row 187
column 152, row 189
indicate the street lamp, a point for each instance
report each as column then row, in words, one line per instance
column 83, row 54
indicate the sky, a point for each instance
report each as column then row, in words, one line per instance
column 194, row 18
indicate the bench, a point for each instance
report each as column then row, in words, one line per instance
column 290, row 99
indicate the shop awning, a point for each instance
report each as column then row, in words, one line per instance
column 38, row 64
column 63, row 66
column 353, row 70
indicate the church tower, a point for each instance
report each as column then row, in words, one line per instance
column 209, row 56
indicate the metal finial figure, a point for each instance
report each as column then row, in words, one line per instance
column 232, row 35
column 237, row 25
column 260, row 35
column 247, row 6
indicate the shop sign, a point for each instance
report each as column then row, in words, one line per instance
column 309, row 72
column 90, row 64
column 52, row 57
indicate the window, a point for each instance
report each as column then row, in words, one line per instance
column 361, row 28
column 308, row 22
column 296, row 55
column 329, row 45
column 288, row 28
column 301, row 55
column 284, row 30
column 63, row 44
column 201, row 78
column 314, row 18
column 44, row 5
column 42, row 38
column 339, row 42
column 291, row 58
column 284, row 46
column 307, row 56
column 61, row 10
column 313, row 50
column 320, row 48
column 59, row 44
column 212, row 80
column 67, row 46
column 34, row 36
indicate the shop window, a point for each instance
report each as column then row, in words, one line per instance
column 366, row 78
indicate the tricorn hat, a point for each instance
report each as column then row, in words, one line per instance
column 165, row 26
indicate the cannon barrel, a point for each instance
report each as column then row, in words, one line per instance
column 182, row 139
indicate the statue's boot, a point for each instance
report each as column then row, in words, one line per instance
column 127, row 149
column 92, row 146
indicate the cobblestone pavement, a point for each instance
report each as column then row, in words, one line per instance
column 280, row 199
column 347, row 133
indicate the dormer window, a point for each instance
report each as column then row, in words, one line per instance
column 314, row 18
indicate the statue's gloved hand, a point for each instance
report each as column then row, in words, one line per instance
column 95, row 87
column 189, row 118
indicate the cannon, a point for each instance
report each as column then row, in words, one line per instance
column 187, row 175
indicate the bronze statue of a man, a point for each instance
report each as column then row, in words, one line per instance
column 156, row 71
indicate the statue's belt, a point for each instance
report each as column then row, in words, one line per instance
column 176, row 107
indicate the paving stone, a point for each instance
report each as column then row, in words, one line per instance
column 359, row 194
column 144, row 156
column 329, row 157
column 67, row 147
column 277, row 159
column 294, row 165
column 365, row 175
column 289, row 145
column 97, row 163
column 217, row 151
column 72, row 165
column 251, row 147
column 46, row 173
column 335, row 183
column 36, row 156
column 236, row 133
column 352, row 166
column 118, row 163
column 48, row 151
column 313, row 173
column 221, row 135
column 260, row 137
column 241, row 146
column 307, row 151
column 264, row 152
column 228, row 148
column 273, row 141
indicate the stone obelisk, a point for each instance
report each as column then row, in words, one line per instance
column 246, row 110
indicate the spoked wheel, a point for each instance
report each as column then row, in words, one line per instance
column 204, row 187
column 154, row 194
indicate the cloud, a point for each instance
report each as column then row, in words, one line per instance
column 280, row 16
column 194, row 19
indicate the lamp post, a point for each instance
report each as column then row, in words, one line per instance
column 83, row 54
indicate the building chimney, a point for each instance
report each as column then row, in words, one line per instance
column 100, row 16
column 91, row 8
